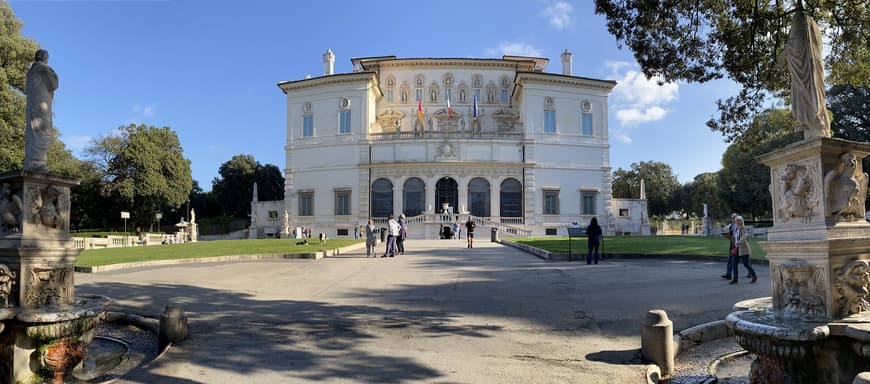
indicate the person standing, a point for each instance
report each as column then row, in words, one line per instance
column 403, row 234
column 743, row 251
column 371, row 232
column 732, row 248
column 593, row 240
column 392, row 234
column 469, row 231
column 457, row 229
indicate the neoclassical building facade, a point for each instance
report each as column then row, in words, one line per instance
column 503, row 140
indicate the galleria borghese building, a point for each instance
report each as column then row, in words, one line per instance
column 516, row 147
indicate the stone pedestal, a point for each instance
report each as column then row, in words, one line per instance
column 45, row 329
column 819, row 245
column 819, row 252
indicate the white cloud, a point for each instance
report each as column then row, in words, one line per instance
column 634, row 116
column 558, row 14
column 77, row 143
column 639, row 100
column 515, row 48
column 144, row 110
column 621, row 136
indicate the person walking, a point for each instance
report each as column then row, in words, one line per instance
column 469, row 231
column 743, row 251
column 593, row 241
column 732, row 247
column 371, row 231
column 403, row 234
column 392, row 234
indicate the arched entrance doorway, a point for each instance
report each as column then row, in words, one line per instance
column 446, row 191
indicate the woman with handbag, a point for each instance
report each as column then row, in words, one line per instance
column 741, row 240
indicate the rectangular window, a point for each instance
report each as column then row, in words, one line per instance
column 551, row 202
column 342, row 203
column 273, row 215
column 550, row 231
column 306, row 204
column 586, row 124
column 505, row 96
column 341, row 232
column 587, row 203
column 549, row 121
column 477, row 95
column 623, row 212
column 390, row 95
column 308, row 126
column 419, row 94
column 344, row 122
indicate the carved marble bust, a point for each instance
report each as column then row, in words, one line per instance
column 845, row 189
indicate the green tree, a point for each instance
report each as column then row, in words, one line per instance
column 850, row 107
column 234, row 188
column 699, row 41
column 743, row 182
column 16, row 54
column 705, row 190
column 659, row 181
column 143, row 169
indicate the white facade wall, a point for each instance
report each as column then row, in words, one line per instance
column 563, row 160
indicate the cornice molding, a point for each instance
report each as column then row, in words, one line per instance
column 574, row 81
column 370, row 77
column 453, row 63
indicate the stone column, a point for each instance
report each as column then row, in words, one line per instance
column 462, row 182
column 495, row 198
column 397, row 197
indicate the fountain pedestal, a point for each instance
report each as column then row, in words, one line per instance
column 819, row 253
column 45, row 328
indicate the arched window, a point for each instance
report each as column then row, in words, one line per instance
column 382, row 198
column 511, row 197
column 478, row 197
column 413, row 196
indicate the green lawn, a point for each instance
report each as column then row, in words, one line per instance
column 664, row 245
column 97, row 257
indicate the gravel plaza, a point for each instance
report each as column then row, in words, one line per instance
column 442, row 313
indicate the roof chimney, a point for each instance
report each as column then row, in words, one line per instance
column 328, row 62
column 566, row 63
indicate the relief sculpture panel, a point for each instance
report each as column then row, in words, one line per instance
column 799, row 287
column 851, row 284
column 796, row 190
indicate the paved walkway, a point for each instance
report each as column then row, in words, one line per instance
column 440, row 314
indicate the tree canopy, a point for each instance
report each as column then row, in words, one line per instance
column 16, row 54
column 234, row 188
column 699, row 41
column 143, row 169
column 659, row 181
column 743, row 182
column 850, row 107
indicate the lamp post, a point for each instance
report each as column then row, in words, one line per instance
column 158, row 216
column 125, row 215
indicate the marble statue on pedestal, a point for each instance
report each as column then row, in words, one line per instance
column 803, row 53
column 39, row 132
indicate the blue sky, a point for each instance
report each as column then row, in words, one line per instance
column 209, row 69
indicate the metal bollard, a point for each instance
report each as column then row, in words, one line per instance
column 173, row 326
column 862, row 378
column 657, row 340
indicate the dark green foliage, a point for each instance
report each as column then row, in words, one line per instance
column 142, row 171
column 16, row 54
column 850, row 107
column 659, row 180
column 742, row 40
column 743, row 182
column 234, row 189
